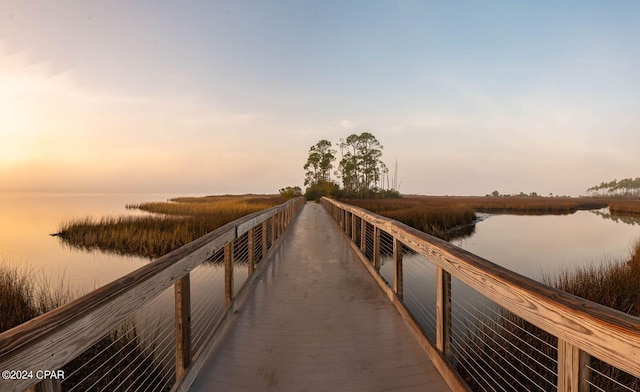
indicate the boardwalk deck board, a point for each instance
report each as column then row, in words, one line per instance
column 315, row 320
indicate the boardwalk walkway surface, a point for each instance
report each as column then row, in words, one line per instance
column 315, row 320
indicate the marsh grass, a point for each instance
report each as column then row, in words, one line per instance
column 169, row 225
column 518, row 351
column 625, row 207
column 433, row 216
column 24, row 294
column 442, row 216
column 524, row 204
column 614, row 284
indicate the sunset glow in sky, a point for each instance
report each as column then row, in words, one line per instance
column 226, row 97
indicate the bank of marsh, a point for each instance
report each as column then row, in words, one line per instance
column 438, row 215
column 168, row 225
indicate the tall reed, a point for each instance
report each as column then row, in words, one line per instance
column 168, row 226
column 514, row 349
column 625, row 207
column 429, row 215
column 24, row 295
column 439, row 215
column 528, row 205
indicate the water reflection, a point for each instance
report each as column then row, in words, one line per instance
column 28, row 219
column 535, row 245
column 626, row 219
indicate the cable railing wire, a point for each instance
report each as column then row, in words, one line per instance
column 464, row 304
column 492, row 347
column 137, row 350
column 481, row 325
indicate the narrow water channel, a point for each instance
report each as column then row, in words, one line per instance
column 545, row 244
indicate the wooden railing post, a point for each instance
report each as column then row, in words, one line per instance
column 376, row 248
column 273, row 230
column 443, row 311
column 571, row 368
column 282, row 223
column 263, row 253
column 182, row 290
column 46, row 386
column 228, row 273
column 288, row 215
column 251, row 247
column 363, row 235
column 353, row 228
column 344, row 220
column 276, row 227
column 347, row 223
column 585, row 371
column 397, row 267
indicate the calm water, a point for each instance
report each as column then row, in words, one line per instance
column 530, row 245
column 535, row 245
column 27, row 219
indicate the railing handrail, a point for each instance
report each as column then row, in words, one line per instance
column 608, row 334
column 52, row 339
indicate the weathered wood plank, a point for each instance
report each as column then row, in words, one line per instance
column 330, row 348
column 451, row 377
column 608, row 334
column 200, row 356
column 254, row 220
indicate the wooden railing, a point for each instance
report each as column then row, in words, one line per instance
column 583, row 329
column 49, row 342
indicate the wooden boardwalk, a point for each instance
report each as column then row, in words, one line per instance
column 315, row 320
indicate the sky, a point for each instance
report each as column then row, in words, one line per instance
column 227, row 96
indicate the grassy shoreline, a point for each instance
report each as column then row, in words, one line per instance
column 181, row 220
column 625, row 207
column 168, row 226
column 24, row 295
column 440, row 215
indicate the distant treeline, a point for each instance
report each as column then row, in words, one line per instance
column 627, row 187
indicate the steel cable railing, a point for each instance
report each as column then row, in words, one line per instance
column 134, row 350
column 512, row 346
column 240, row 262
column 207, row 298
column 604, row 377
column 419, row 294
column 144, row 331
column 494, row 330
